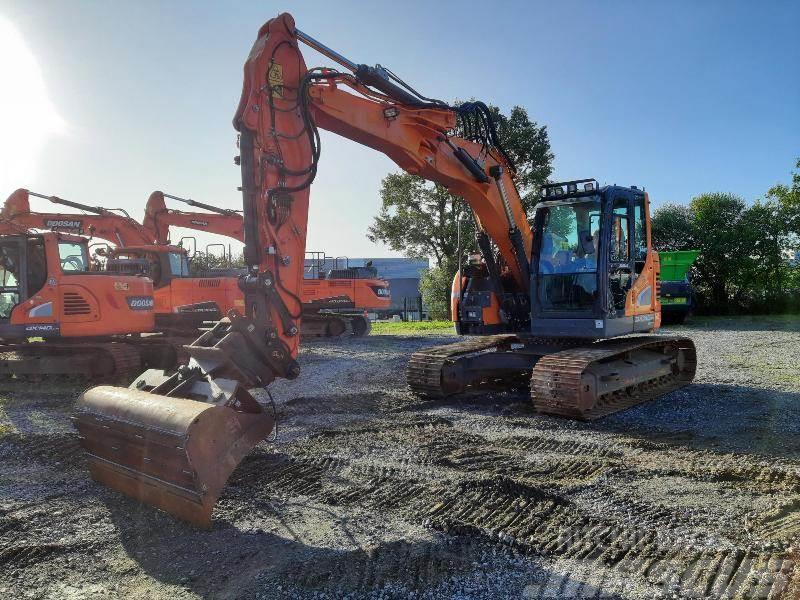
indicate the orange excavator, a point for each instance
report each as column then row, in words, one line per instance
column 60, row 318
column 540, row 300
column 329, row 299
column 182, row 303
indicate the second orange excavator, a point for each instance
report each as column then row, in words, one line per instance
column 334, row 301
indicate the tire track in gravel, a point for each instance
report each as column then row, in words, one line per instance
column 651, row 459
column 450, row 486
column 782, row 523
column 499, row 496
column 52, row 450
column 535, row 521
column 22, row 555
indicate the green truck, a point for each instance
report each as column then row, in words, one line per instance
column 676, row 296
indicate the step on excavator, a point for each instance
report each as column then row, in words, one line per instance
column 59, row 318
column 540, row 301
column 183, row 304
column 334, row 302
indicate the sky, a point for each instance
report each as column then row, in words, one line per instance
column 104, row 102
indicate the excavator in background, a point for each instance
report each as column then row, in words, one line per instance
column 328, row 299
column 60, row 318
column 182, row 303
column 539, row 300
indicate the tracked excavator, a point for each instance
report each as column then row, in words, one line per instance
column 59, row 318
column 333, row 305
column 539, row 300
column 183, row 303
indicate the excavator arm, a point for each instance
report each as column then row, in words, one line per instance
column 119, row 229
column 282, row 106
column 175, row 438
column 158, row 218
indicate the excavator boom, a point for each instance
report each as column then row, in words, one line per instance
column 119, row 229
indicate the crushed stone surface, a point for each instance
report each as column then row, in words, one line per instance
column 370, row 492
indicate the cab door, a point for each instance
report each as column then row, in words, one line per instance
column 12, row 276
column 621, row 270
column 643, row 302
column 631, row 263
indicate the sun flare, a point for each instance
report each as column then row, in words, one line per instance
column 27, row 115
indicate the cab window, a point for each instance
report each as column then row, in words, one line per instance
column 619, row 232
column 620, row 275
column 639, row 231
column 73, row 257
column 570, row 237
column 178, row 264
column 568, row 254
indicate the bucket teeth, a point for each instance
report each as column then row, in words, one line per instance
column 171, row 453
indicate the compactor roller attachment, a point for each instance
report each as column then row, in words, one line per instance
column 172, row 453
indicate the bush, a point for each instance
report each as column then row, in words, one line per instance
column 435, row 285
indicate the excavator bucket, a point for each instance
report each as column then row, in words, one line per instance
column 172, row 453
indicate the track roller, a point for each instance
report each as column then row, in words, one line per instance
column 593, row 381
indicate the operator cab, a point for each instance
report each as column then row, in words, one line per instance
column 162, row 264
column 591, row 244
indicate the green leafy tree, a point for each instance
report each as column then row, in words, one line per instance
column 788, row 196
column 768, row 280
column 716, row 233
column 419, row 218
column 672, row 228
column 528, row 145
column 202, row 262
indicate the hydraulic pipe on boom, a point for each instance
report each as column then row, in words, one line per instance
column 177, row 437
column 208, row 207
column 98, row 210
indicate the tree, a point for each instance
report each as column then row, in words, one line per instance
column 202, row 262
column 762, row 274
column 528, row 145
column 420, row 218
column 717, row 234
column 788, row 196
column 671, row 226
column 745, row 261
